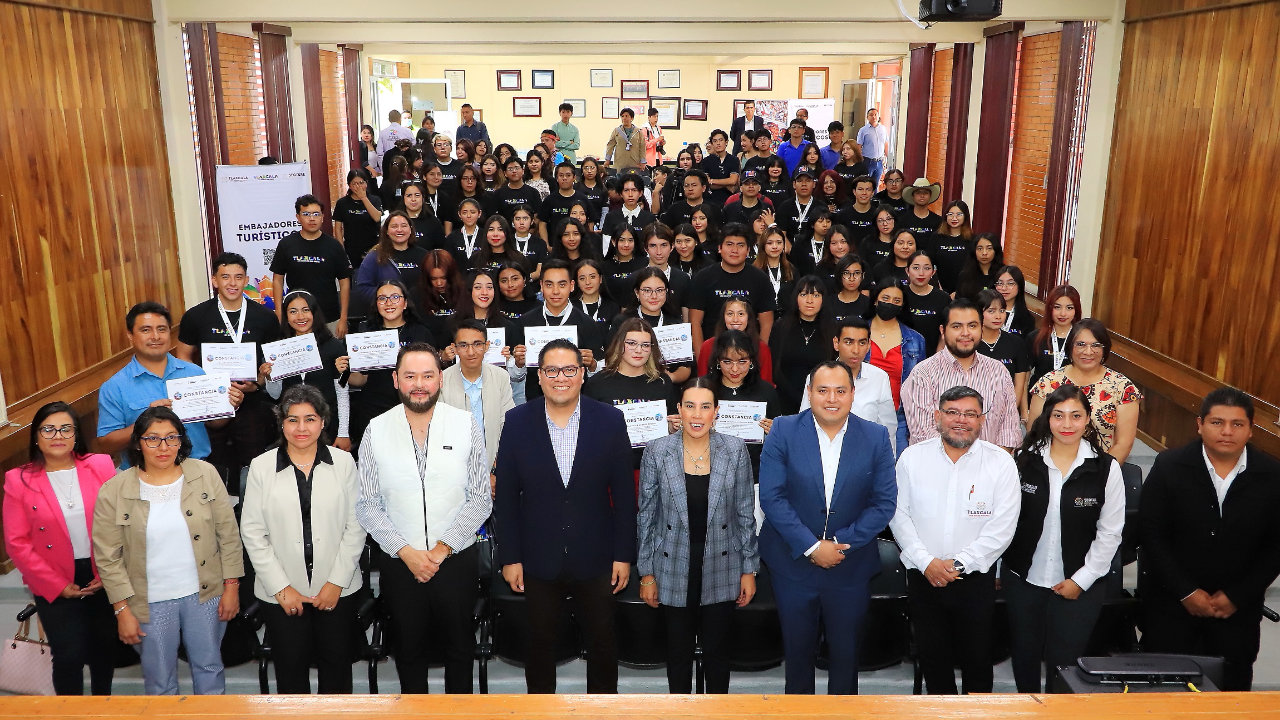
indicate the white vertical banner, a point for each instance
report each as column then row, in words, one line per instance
column 821, row 113
column 255, row 203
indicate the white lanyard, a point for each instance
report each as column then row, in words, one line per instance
column 469, row 243
column 562, row 318
column 523, row 247
column 804, row 212
column 1008, row 321
column 1059, row 353
column 817, row 250
column 640, row 314
column 238, row 332
column 434, row 201
column 775, row 279
column 593, row 315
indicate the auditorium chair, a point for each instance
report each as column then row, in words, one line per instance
column 641, row 636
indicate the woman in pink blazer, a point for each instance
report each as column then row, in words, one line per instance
column 48, row 514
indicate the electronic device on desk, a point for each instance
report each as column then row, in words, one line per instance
column 1139, row 673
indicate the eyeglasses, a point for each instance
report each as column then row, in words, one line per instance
column 555, row 372
column 966, row 414
column 637, row 345
column 1082, row 345
column 1006, row 283
column 154, row 441
column 48, row 432
column 311, row 214
column 955, row 215
column 653, row 291
column 384, row 299
column 851, row 274
column 475, row 345
column 743, row 363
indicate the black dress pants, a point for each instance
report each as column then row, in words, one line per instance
column 435, row 613
column 952, row 627
column 325, row 639
column 1046, row 628
column 595, row 606
column 1169, row 628
column 80, row 632
column 685, row 627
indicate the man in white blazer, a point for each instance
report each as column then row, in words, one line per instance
column 476, row 386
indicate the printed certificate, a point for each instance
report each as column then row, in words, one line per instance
column 373, row 350
column 497, row 338
column 741, row 419
column 293, row 356
column 676, row 342
column 200, row 398
column 645, row 421
column 537, row 336
column 239, row 361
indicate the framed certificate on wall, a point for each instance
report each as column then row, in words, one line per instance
column 526, row 107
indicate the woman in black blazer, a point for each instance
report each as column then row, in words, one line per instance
column 697, row 537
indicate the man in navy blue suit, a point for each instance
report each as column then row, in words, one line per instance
column 827, row 487
column 565, row 515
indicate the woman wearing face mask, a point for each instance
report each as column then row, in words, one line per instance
column 1049, row 342
column 696, row 493
column 980, row 267
column 378, row 394
column 428, row 233
column 904, row 246
column 588, row 293
column 803, row 338
column 1113, row 398
column 895, row 348
column 1009, row 348
column 737, row 314
column 652, row 301
column 771, row 257
column 925, row 303
column 302, row 315
column 878, row 247
column 1056, row 565
column 395, row 258
column 633, row 372
column 1012, row 287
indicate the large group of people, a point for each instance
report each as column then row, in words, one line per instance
column 845, row 361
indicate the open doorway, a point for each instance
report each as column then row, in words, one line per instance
column 415, row 97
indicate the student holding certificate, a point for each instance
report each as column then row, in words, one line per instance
column 302, row 315
column 697, row 499
column 735, row 376
column 632, row 373
column 652, row 301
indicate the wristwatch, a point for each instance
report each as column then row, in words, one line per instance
column 957, row 566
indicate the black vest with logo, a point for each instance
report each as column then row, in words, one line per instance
column 1083, row 494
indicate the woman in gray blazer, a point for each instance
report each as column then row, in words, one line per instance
column 299, row 527
column 697, row 537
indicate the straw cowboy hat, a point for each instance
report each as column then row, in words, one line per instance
column 934, row 189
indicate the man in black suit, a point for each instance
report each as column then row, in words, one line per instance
column 743, row 123
column 565, row 516
column 1210, row 540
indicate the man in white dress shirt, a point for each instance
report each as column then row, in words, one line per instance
column 958, row 504
column 872, row 396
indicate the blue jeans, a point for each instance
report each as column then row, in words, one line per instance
column 902, row 432
column 874, row 168
column 197, row 625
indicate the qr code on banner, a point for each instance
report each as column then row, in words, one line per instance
column 268, row 254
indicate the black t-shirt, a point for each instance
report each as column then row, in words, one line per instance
column 678, row 284
column 590, row 337
column 804, row 255
column 456, row 245
column 718, row 169
column 713, row 285
column 756, row 163
column 974, row 282
column 736, row 212
column 900, row 205
column 488, row 206
column 616, row 220
column 796, row 218
column 315, row 266
column 949, row 253
column 780, row 193
column 923, row 313
column 603, row 310
column 451, row 172
column 556, row 207
column 428, row 233
column 615, row 389
column 797, row 348
column 202, row 323
column 922, row 228
column 359, row 230
column 534, row 250
column 886, row 270
column 617, row 277
column 862, row 225
column 596, row 194
column 441, row 204
column 409, row 263
column 873, row 252
column 509, row 198
column 681, row 212
column 1010, row 350
column 1041, row 358
column 849, row 172
column 841, row 310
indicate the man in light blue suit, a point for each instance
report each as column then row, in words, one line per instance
column 827, row 487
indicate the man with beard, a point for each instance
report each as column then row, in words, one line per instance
column 958, row 504
column 424, row 489
column 960, row 364
column 565, row 516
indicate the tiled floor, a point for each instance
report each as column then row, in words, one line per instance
column 504, row 678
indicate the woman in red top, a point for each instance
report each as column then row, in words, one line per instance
column 895, row 348
column 737, row 314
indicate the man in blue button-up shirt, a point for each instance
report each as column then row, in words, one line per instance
column 141, row 383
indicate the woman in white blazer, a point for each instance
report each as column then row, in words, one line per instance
column 299, row 527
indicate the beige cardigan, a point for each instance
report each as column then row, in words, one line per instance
column 120, row 535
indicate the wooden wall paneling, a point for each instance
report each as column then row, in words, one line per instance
column 317, row 154
column 935, row 165
column 1146, row 10
column 79, row 94
column 274, row 51
column 958, row 120
column 918, row 98
column 1185, row 268
column 352, row 95
column 999, row 77
column 136, row 10
column 1054, row 248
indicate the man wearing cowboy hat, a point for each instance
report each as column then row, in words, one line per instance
column 919, row 219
